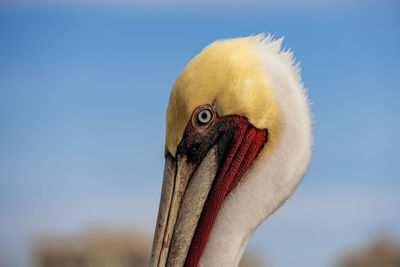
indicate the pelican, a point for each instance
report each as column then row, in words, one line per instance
column 238, row 142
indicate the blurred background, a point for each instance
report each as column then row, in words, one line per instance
column 84, row 87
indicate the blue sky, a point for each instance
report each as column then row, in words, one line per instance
column 83, row 93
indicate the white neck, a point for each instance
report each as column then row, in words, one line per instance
column 273, row 178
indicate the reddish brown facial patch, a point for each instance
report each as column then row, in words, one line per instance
column 238, row 144
column 241, row 143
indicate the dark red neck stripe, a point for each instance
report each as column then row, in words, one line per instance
column 247, row 143
column 256, row 144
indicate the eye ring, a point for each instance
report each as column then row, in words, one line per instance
column 204, row 116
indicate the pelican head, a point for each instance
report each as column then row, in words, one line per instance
column 238, row 142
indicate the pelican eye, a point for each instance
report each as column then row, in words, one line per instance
column 204, row 116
